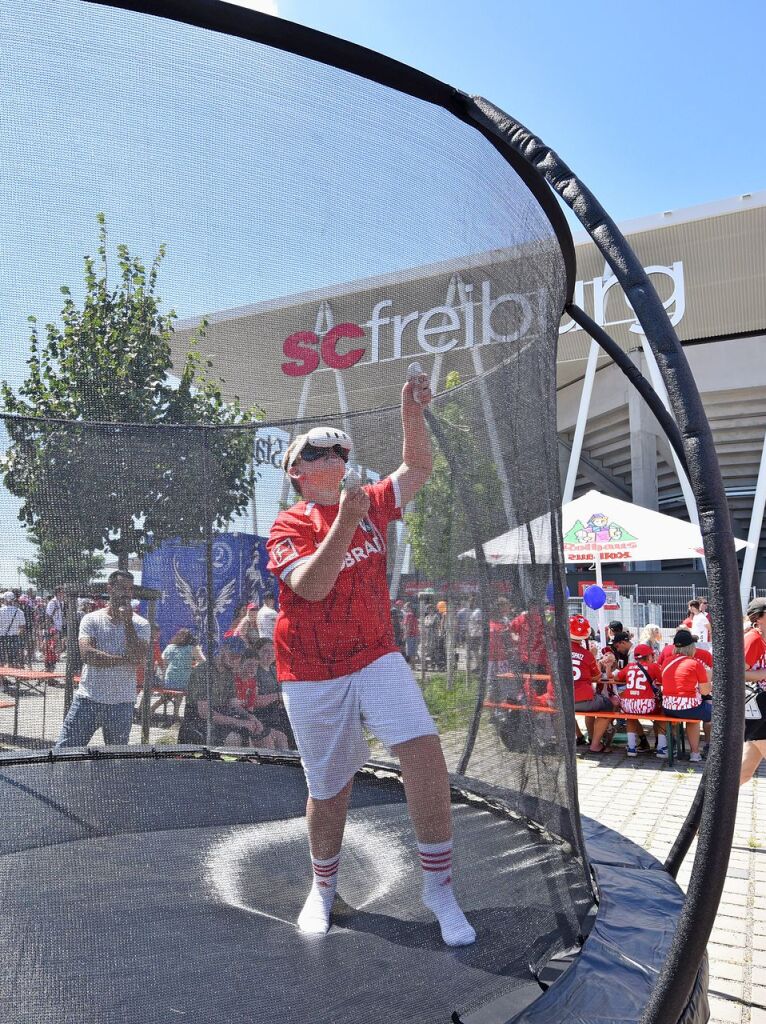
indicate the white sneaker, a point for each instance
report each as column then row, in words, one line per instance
column 695, row 757
column 662, row 752
column 631, row 752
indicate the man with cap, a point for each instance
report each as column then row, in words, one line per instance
column 685, row 681
column 755, row 672
column 247, row 630
column 113, row 642
column 700, row 654
column 12, row 624
column 338, row 662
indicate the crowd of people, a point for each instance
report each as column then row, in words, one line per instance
column 32, row 627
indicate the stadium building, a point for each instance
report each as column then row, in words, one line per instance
column 320, row 352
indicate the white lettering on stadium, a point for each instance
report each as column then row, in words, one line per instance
column 390, row 335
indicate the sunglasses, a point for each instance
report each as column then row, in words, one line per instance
column 311, row 454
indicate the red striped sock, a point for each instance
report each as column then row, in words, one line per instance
column 436, row 862
column 315, row 916
column 325, row 872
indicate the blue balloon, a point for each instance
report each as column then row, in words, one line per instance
column 549, row 593
column 594, row 597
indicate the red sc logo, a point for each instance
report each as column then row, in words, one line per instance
column 301, row 348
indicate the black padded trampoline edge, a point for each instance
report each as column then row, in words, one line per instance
column 623, row 954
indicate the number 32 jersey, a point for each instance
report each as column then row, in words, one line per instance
column 351, row 627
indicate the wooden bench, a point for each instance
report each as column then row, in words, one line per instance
column 616, row 713
column 165, row 696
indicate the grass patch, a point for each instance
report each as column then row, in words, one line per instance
column 451, row 708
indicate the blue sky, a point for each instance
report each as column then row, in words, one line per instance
column 656, row 106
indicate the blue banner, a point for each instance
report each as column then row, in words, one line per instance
column 179, row 571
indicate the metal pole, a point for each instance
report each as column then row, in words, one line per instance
column 148, row 686
column 659, row 387
column 70, row 610
column 210, row 608
column 601, row 615
column 582, row 417
column 754, row 533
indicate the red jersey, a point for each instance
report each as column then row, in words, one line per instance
column 755, row 652
column 670, row 652
column 681, row 679
column 528, row 630
column 637, row 686
column 585, row 672
column 351, row 627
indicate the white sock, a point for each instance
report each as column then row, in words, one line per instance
column 436, row 862
column 315, row 916
column 631, row 741
column 662, row 741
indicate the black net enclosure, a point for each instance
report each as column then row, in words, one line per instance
column 279, row 358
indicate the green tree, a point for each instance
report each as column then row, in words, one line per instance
column 56, row 562
column 107, row 451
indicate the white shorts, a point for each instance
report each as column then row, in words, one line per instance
column 328, row 718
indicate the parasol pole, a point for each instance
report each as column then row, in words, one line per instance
column 601, row 615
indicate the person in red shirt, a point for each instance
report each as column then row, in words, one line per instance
column 669, row 651
column 685, row 680
column 585, row 674
column 755, row 672
column 642, row 680
column 338, row 662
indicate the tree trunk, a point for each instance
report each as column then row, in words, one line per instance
column 123, row 555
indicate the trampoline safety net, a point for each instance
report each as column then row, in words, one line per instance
column 213, row 245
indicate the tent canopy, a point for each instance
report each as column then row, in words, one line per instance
column 596, row 527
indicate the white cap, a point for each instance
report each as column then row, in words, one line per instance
column 9, row 596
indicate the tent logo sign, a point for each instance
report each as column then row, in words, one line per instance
column 600, row 533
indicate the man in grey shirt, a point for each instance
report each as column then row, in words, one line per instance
column 113, row 642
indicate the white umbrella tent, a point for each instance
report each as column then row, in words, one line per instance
column 598, row 529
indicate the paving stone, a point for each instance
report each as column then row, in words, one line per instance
column 759, row 975
column 730, row 954
column 758, row 995
column 726, row 987
column 729, row 971
column 738, row 885
column 723, row 1011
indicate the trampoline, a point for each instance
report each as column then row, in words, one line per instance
column 330, row 216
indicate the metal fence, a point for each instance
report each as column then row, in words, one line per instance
column 638, row 605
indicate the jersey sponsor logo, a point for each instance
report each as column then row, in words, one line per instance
column 283, row 552
column 359, row 554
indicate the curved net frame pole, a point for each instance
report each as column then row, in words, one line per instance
column 674, row 985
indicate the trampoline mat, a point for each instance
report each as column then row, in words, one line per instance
column 155, row 891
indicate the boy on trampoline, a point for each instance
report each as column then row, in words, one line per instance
column 339, row 665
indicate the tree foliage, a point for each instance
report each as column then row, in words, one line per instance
column 453, row 504
column 131, row 459
column 58, row 562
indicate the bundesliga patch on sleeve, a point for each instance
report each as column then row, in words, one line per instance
column 283, row 552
